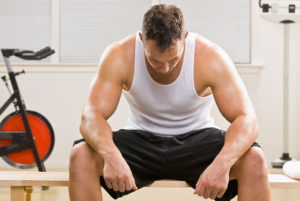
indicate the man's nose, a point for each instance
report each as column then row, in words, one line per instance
column 166, row 65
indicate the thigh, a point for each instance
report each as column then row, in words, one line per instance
column 142, row 153
column 194, row 152
column 191, row 153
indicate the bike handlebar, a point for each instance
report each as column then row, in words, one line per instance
column 28, row 54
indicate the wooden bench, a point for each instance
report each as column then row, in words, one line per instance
column 21, row 183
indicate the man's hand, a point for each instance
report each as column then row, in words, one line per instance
column 213, row 181
column 117, row 174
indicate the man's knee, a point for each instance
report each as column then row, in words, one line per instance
column 256, row 162
column 84, row 158
column 252, row 164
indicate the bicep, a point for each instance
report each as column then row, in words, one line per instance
column 103, row 97
column 105, row 88
column 229, row 90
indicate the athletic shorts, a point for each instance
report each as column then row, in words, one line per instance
column 182, row 157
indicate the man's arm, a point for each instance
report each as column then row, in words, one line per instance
column 104, row 94
column 234, row 103
column 103, row 98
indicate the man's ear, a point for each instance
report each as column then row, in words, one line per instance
column 141, row 36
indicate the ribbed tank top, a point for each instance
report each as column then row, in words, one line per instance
column 167, row 109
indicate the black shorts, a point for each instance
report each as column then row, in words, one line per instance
column 181, row 157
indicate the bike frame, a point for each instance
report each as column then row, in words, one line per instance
column 21, row 140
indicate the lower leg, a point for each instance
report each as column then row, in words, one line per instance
column 252, row 175
column 84, row 175
column 84, row 187
column 251, row 189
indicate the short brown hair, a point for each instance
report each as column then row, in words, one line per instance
column 164, row 24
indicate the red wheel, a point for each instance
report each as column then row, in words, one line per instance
column 42, row 133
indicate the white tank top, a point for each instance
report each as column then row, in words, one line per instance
column 170, row 109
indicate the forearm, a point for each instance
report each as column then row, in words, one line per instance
column 98, row 134
column 238, row 139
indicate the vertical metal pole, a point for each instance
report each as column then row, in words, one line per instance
column 286, row 90
column 14, row 84
column 7, row 63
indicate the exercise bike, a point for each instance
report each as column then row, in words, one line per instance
column 26, row 136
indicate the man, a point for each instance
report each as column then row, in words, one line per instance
column 169, row 77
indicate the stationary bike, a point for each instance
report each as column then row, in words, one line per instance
column 26, row 136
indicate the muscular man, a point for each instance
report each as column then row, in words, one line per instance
column 170, row 78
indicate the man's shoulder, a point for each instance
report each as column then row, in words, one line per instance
column 207, row 52
column 119, row 54
column 204, row 47
column 123, row 48
column 117, row 60
column 211, row 61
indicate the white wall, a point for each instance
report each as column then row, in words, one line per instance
column 60, row 92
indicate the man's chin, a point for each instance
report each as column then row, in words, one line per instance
column 164, row 73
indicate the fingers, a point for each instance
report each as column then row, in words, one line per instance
column 115, row 185
column 121, row 184
column 221, row 193
column 133, row 183
column 199, row 190
column 206, row 193
column 130, row 184
column 213, row 194
column 108, row 183
column 209, row 191
column 135, row 187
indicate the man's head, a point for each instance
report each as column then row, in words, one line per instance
column 163, row 36
column 164, row 24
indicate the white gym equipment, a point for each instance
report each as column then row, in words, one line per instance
column 283, row 12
